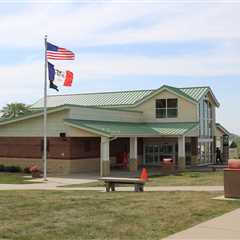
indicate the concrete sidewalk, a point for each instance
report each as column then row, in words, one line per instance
column 225, row 227
column 53, row 183
column 60, row 184
column 152, row 189
column 63, row 182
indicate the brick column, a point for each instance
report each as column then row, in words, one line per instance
column 225, row 153
column 214, row 150
column 133, row 164
column 181, row 153
column 104, row 158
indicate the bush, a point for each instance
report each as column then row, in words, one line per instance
column 27, row 170
column 2, row 168
column 233, row 145
column 12, row 169
column 35, row 168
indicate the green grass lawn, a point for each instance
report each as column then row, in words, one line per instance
column 72, row 215
column 184, row 179
column 13, row 178
column 189, row 179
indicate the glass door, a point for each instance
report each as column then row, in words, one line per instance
column 148, row 154
column 155, row 153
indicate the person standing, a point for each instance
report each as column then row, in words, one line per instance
column 218, row 156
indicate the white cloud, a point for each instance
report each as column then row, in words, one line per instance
column 77, row 23
column 189, row 23
column 96, row 24
column 214, row 64
column 23, row 78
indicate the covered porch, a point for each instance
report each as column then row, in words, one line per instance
column 143, row 144
column 147, row 152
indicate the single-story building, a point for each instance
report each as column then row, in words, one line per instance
column 99, row 131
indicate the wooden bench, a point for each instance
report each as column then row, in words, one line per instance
column 110, row 183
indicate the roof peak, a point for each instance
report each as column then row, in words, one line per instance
column 195, row 87
column 127, row 91
column 88, row 93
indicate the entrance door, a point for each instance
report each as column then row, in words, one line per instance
column 205, row 152
column 155, row 153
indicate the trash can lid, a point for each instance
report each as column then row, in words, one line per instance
column 167, row 159
column 234, row 164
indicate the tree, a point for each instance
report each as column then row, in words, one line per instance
column 233, row 145
column 13, row 110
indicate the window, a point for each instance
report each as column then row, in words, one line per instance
column 205, row 152
column 206, row 119
column 166, row 108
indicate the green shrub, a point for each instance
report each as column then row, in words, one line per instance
column 27, row 170
column 2, row 168
column 233, row 145
column 12, row 169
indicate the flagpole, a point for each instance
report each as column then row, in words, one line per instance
column 45, row 115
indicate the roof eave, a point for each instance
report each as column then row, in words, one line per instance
column 88, row 129
column 209, row 90
column 163, row 88
column 223, row 129
column 33, row 115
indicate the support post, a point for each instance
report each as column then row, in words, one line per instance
column 133, row 164
column 45, row 115
column 213, row 149
column 105, row 160
column 181, row 153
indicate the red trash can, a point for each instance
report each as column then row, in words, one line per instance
column 232, row 179
column 168, row 167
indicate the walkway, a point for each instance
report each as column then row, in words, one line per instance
column 153, row 189
column 224, row 227
column 55, row 183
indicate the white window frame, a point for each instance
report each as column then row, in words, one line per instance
column 166, row 108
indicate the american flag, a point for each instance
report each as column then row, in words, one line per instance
column 57, row 53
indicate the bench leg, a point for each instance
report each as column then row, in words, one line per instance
column 108, row 186
column 136, row 187
column 113, row 187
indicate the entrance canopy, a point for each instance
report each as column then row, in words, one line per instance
column 123, row 129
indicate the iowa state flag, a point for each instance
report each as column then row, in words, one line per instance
column 59, row 77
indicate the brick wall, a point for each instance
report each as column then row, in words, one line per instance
column 56, row 166
column 84, row 147
column 61, row 148
column 58, row 148
column 29, row 147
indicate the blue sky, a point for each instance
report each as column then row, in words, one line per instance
column 122, row 45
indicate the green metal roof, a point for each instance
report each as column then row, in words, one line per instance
column 178, row 91
column 95, row 99
column 37, row 112
column 129, row 128
column 123, row 98
column 195, row 92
